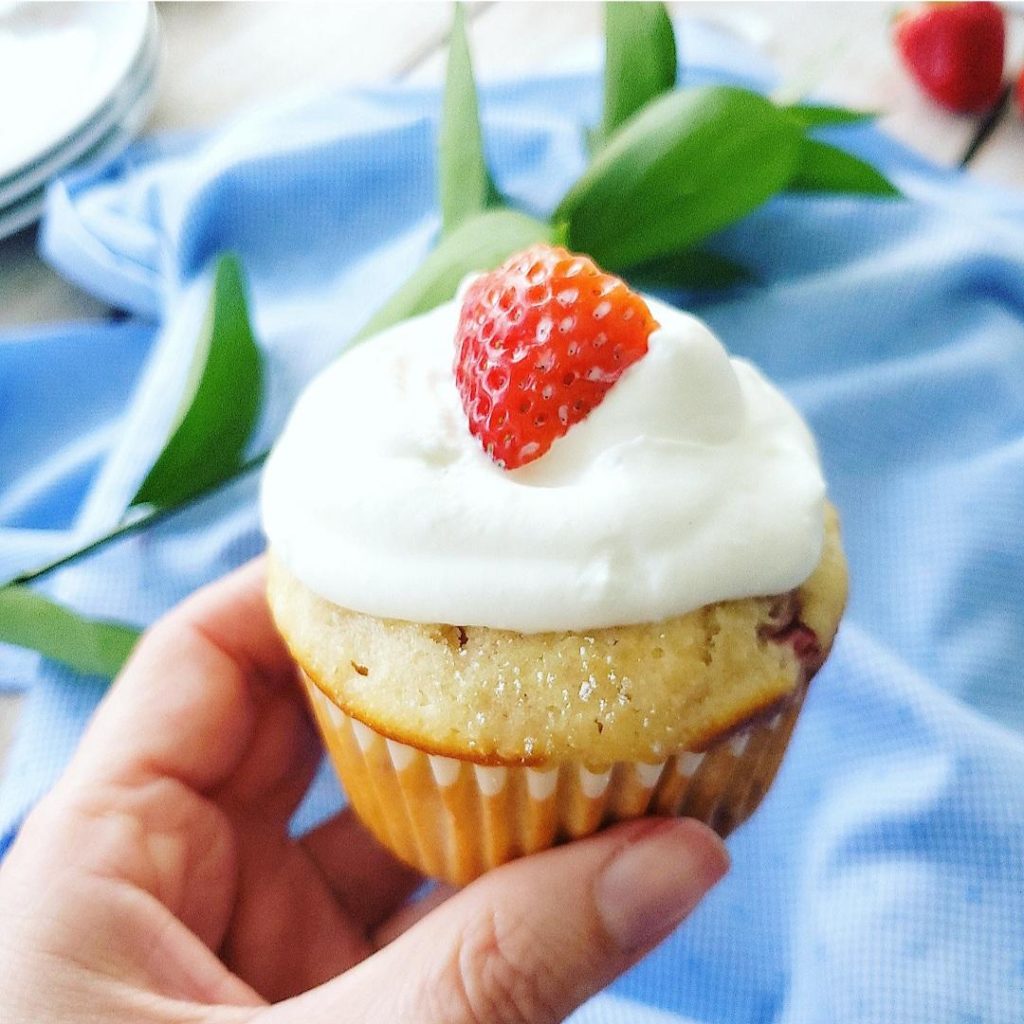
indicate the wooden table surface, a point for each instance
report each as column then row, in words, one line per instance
column 222, row 57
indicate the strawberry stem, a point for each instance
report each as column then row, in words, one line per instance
column 987, row 126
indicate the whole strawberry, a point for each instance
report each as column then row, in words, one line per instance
column 539, row 343
column 955, row 52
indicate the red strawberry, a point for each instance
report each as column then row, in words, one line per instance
column 1020, row 93
column 955, row 52
column 539, row 343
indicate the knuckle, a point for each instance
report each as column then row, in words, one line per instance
column 160, row 639
column 497, row 974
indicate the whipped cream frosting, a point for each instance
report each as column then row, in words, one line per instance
column 693, row 481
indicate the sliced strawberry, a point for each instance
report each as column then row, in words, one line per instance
column 955, row 52
column 539, row 343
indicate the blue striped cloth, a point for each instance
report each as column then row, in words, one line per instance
column 883, row 878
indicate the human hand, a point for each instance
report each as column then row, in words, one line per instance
column 157, row 882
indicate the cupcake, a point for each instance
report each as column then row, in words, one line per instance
column 547, row 558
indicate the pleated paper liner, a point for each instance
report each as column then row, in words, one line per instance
column 454, row 819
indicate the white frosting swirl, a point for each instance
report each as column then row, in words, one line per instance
column 693, row 481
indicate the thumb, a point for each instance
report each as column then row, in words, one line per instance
column 529, row 942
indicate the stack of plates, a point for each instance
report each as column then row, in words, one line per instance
column 77, row 81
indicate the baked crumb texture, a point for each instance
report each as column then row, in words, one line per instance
column 454, row 819
column 463, row 747
column 596, row 699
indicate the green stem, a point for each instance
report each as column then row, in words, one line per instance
column 134, row 526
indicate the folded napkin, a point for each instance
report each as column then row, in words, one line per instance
column 883, row 878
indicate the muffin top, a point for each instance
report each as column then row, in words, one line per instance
column 633, row 692
column 690, row 481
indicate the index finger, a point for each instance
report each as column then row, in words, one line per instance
column 185, row 705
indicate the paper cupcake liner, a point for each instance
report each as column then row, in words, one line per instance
column 454, row 819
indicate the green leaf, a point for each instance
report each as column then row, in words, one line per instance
column 825, row 168
column 93, row 646
column 480, row 243
column 692, row 268
column 221, row 400
column 810, row 115
column 687, row 165
column 464, row 183
column 640, row 61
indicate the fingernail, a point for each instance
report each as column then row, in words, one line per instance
column 654, row 881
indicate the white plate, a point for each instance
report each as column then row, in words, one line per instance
column 29, row 208
column 139, row 80
column 61, row 62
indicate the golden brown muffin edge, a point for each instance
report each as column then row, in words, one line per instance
column 633, row 693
